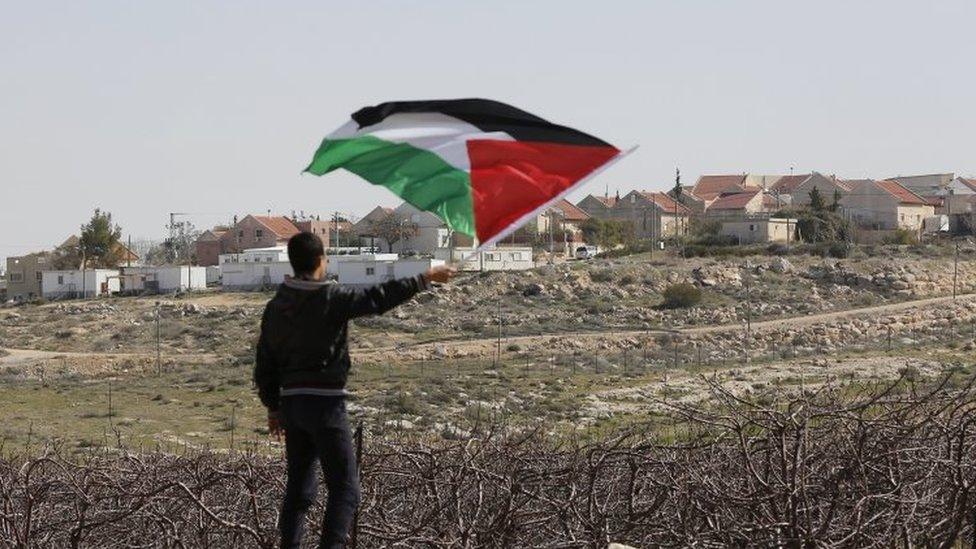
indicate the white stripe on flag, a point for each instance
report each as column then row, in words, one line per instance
column 438, row 133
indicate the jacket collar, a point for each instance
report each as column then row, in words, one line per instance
column 299, row 284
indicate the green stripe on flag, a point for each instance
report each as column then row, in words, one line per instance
column 418, row 176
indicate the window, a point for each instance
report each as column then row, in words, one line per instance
column 258, row 233
column 16, row 277
column 241, row 234
column 752, row 228
column 370, row 271
column 60, row 279
column 37, row 276
column 516, row 256
column 903, row 217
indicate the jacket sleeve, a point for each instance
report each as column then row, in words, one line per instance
column 266, row 373
column 376, row 300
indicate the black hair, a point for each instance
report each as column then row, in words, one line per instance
column 304, row 251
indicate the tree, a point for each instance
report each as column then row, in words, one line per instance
column 180, row 247
column 607, row 233
column 822, row 226
column 835, row 205
column 678, row 194
column 816, row 200
column 99, row 244
column 394, row 228
column 157, row 254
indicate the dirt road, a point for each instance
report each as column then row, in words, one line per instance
column 22, row 356
column 796, row 321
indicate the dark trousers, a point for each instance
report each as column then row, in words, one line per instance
column 317, row 429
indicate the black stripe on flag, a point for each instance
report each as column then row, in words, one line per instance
column 487, row 115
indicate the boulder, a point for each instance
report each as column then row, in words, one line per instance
column 781, row 265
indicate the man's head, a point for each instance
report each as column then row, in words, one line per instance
column 306, row 255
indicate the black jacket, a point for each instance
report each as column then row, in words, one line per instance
column 304, row 331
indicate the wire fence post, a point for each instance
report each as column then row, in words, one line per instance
column 233, row 425
column 353, row 536
column 110, row 404
column 159, row 366
column 955, row 270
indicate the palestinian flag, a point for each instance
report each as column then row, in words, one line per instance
column 483, row 167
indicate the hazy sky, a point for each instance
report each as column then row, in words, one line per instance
column 214, row 108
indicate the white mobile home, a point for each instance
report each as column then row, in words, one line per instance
column 367, row 270
column 253, row 276
column 254, row 269
column 256, row 255
column 333, row 261
column 163, row 279
column 499, row 258
column 70, row 284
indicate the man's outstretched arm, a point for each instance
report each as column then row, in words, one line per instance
column 374, row 300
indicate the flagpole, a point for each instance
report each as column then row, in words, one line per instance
column 525, row 218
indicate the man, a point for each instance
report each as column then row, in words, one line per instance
column 300, row 372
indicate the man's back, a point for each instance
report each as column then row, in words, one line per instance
column 304, row 333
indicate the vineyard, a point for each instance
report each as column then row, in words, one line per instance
column 838, row 465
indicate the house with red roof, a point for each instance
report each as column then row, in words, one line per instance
column 253, row 231
column 654, row 215
column 827, row 186
column 692, row 201
column 741, row 203
column 710, row 187
column 886, row 205
column 598, row 206
column 559, row 227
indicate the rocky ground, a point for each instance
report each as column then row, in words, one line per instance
column 582, row 344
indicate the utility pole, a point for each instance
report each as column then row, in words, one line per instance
column 677, row 200
column 335, row 221
column 644, row 225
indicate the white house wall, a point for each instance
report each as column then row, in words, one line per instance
column 253, row 276
column 76, row 283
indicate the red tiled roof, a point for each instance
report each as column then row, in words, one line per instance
column 735, row 201
column 570, row 212
column 789, row 183
column 936, row 201
column 897, row 190
column 710, row 186
column 665, row 203
column 281, row 226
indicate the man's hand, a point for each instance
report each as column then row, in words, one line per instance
column 274, row 426
column 441, row 275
